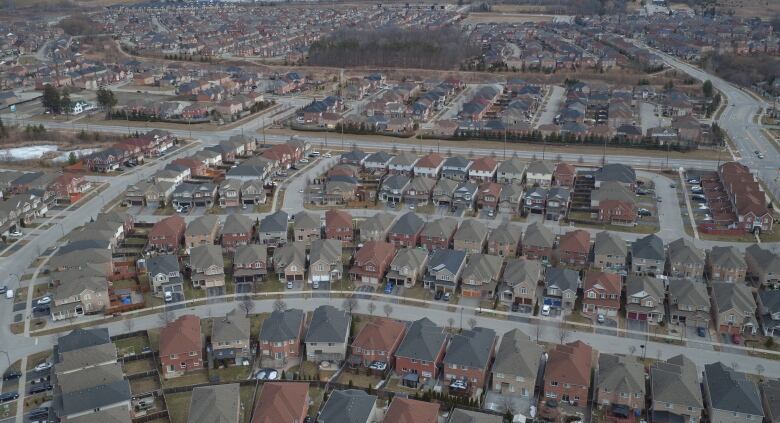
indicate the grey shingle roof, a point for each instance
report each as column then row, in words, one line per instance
column 237, row 224
column 609, row 243
column 727, row 257
column 328, row 324
column 682, row 250
column 616, row 172
column 422, row 341
column 538, row 235
column 482, row 267
column 306, row 220
column 281, row 325
column 92, row 388
column 690, row 292
column 619, row 373
column 204, row 256
column 506, row 233
column 408, row 224
column 520, row 269
column 541, row 166
column 732, row 391
column 563, row 279
column 233, row 327
column 377, row 222
column 82, row 338
column 347, row 406
column 202, row 225
column 650, row 247
column 764, row 258
column 676, row 381
column 726, row 295
column 645, row 284
column 512, row 165
column 447, row 259
column 274, row 222
column 325, row 249
column 440, row 228
column 467, row 416
column 471, row 348
column 471, row 230
column 518, row 355
column 164, row 263
column 215, row 404
column 250, row 253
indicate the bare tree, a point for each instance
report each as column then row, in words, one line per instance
column 247, row 304
column 371, row 308
column 166, row 316
column 734, row 365
column 563, row 332
column 128, row 323
column 350, row 305
column 539, row 330
column 388, row 310
column 450, row 322
column 280, row 305
column 472, row 323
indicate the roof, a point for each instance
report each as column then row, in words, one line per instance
column 328, row 250
column 347, row 406
column 306, row 220
column 379, row 334
column 432, row 160
column 274, row 222
column 411, row 257
column 82, row 338
column 616, row 172
column 450, row 260
column 205, row 256
column 408, row 224
column 519, row 270
column 611, row 190
column 405, row 410
column 337, row 218
column 467, row 416
column 726, row 295
column 561, row 278
column 170, row 224
column 650, row 247
column 676, row 381
column 645, row 286
column 763, row 258
column 619, row 373
column 512, row 165
column 770, row 391
column 378, row 222
column 405, row 159
column 92, row 388
column 683, row 251
column 689, row 292
column 543, row 167
column 281, row 402
column 471, row 230
column 328, row 324
column 576, row 240
column 570, row 363
column 482, row 267
column 181, row 336
column 111, row 415
column 423, row 341
column 233, row 327
column 282, row 325
column 727, row 257
column 375, row 251
column 238, row 224
column 538, row 235
column 607, row 281
column 610, row 244
column 518, row 355
column 440, row 228
column 203, row 225
column 731, row 391
column 471, row 348
column 250, row 253
column 506, row 233
column 215, row 404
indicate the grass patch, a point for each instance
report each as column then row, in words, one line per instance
column 134, row 345
column 247, row 395
column 231, row 374
column 271, row 284
column 418, row 292
column 191, row 293
column 306, row 368
column 315, row 395
column 138, row 366
column 178, row 406
column 17, row 328
column 358, row 380
column 576, row 317
column 144, row 385
column 190, row 378
column 37, row 358
column 256, row 322
column 125, row 284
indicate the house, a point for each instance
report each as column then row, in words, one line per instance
column 769, row 311
column 354, row 157
column 483, row 169
column 609, row 252
column 468, row 359
column 237, row 231
column 306, row 227
column 194, row 195
column 567, row 373
column 350, row 405
column 689, row 303
column 504, row 240
column 488, row 196
column 726, row 264
column 181, row 346
column 620, row 381
column 252, row 192
column 444, row 270
column 207, row 267
column 535, row 201
column 250, row 263
column 601, row 293
column 281, row 402
column 325, row 261
column 519, row 281
column 574, row 248
column 734, row 308
column 770, row 397
column 375, row 227
column 516, row 366
column 419, row 191
column 327, row 336
column 456, row 168
column 201, row 231
column 560, row 288
column 419, row 357
column 443, row 193
column 164, row 273
column 481, row 275
column 229, row 193
column 763, row 266
column 407, row 267
column 645, row 299
column 615, row 172
column 289, row 261
column 674, row 391
column 394, row 188
column 564, row 174
column 648, row 256
column 281, row 335
column 377, row 162
column 429, row 165
column 685, row 260
column 511, row 171
column 403, row 163
column 539, row 173
column 338, row 226
column 511, row 198
column 230, row 338
column 405, row 232
column 371, row 262
column 215, row 403
column 538, row 242
column 557, row 203
column 167, row 234
column 272, row 230
column 376, row 343
column 439, row 233
column 470, row 236
column 78, row 292
column 746, row 196
column 616, row 205
column 730, row 396
column 405, row 410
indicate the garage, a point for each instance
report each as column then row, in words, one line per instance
column 637, row 316
column 366, row 279
column 136, row 202
column 553, row 302
column 319, row 278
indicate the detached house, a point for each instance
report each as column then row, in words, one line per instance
column 164, row 273
column 429, row 166
column 763, row 266
column 201, row 231
column 734, row 308
column 328, row 333
column 375, row 345
column 483, row 169
column 444, row 270
column 289, row 261
column 281, row 335
column 620, row 381
column 325, row 261
column 207, row 267
column 419, row 357
column 685, row 260
column 375, row 227
column 726, row 264
column 504, row 240
column 732, row 397
column 405, row 232
column 338, row 225
column 538, row 242
column 567, row 373
column 167, row 234
column 439, row 234
column 481, row 275
column 250, row 263
column 306, row 227
column 272, row 230
column 516, row 365
column 456, row 168
column 674, row 391
column 601, row 293
column 689, row 303
column 371, row 262
column 574, row 248
column 280, row 402
column 511, row 171
column 230, row 338
column 468, row 359
column 181, row 346
column 609, row 252
column 470, row 236
column 648, row 256
column 519, row 282
column 560, row 288
column 237, row 231
column 539, row 173
column 645, row 299
column 407, row 267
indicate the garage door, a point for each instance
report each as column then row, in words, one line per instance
column 366, row 279
column 552, row 302
column 319, row 278
column 632, row 315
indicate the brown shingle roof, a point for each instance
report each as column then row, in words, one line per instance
column 379, row 334
column 181, row 335
column 430, row 161
column 576, row 240
column 281, row 402
column 337, row 218
column 570, row 363
column 167, row 227
column 405, row 410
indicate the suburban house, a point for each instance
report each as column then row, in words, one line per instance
column 207, row 268
column 349, row 405
column 78, row 292
column 468, row 359
column 511, row 171
column 181, row 346
column 645, row 299
column 371, row 262
column 272, row 230
column 394, row 188
column 429, row 166
column 511, row 198
column 620, row 381
column 539, row 173
column 375, row 227
column 685, row 260
column 574, row 248
column 250, row 263
column 516, row 365
column 504, row 240
column 229, row 193
column 439, row 233
column 164, row 273
column 648, row 256
column 230, row 338
column 306, row 227
column 456, row 168
column 769, row 311
column 403, row 163
column 338, row 225
column 201, row 231
column 375, row 345
column 281, row 336
column 481, row 275
column 419, row 357
column 419, row 191
column 730, row 396
column 564, row 175
column 407, row 267
column 281, row 402
column 609, row 252
column 470, row 236
column 538, row 242
column 763, row 266
column 674, row 391
column 405, row 410
column 601, row 293
column 519, row 281
column 689, row 303
column 560, row 288
column 406, row 231
column 557, row 203
column 734, row 308
column 215, row 403
column 444, row 270
column 325, row 261
column 443, row 193
column 167, row 234
column 483, row 169
column 726, row 264
column 289, row 261
column 567, row 373
column 328, row 334
column 237, row 231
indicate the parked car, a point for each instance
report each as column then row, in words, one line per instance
column 702, row 332
column 41, row 387
column 44, row 300
column 168, row 296
column 289, row 285
column 39, row 412
column 644, row 212
column 515, row 307
column 600, row 318
column 3, row 289
column 16, row 234
column 446, row 296
column 388, row 288
column 438, row 295
column 546, row 310
column 8, row 396
column 43, row 366
column 12, row 375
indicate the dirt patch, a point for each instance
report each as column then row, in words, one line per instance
column 493, row 17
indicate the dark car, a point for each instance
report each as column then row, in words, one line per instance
column 42, row 387
column 438, row 295
column 12, row 375
column 39, row 412
column 42, row 308
column 701, row 331
column 8, row 396
column 515, row 307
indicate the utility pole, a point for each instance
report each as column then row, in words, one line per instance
column 505, row 130
column 342, row 136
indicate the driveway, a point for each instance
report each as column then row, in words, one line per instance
column 638, row 326
column 608, row 327
column 215, row 291
column 243, row 287
column 693, row 336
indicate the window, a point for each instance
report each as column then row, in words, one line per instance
column 193, row 353
column 591, row 294
column 172, row 356
column 553, row 383
column 523, row 291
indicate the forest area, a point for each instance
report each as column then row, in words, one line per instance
column 743, row 70
column 443, row 48
column 575, row 7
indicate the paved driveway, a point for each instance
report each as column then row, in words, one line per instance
column 693, row 337
column 215, row 291
column 636, row 325
column 608, row 327
column 498, row 402
column 243, row 287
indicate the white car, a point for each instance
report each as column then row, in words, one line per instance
column 303, row 161
column 300, row 190
column 44, row 300
column 168, row 296
column 43, row 366
column 546, row 310
column 289, row 285
column 328, row 155
column 16, row 234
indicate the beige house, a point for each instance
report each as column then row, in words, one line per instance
column 734, row 308
column 201, row 231
column 609, row 252
column 290, row 261
column 685, row 260
column 306, row 227
column 328, row 334
column 407, row 267
column 325, row 262
column 207, row 266
column 620, row 380
column 726, row 264
column 78, row 292
column 519, row 282
column 470, row 236
column 674, row 389
column 516, row 365
column 230, row 338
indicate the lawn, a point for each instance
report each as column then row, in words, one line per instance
column 138, row 366
column 192, row 378
column 306, row 368
column 358, row 380
column 271, row 284
column 315, row 394
column 144, row 385
column 256, row 322
column 134, row 345
column 8, row 409
column 247, row 394
column 178, row 406
column 231, row 374
column 37, row 358
column 125, row 284
column 418, row 292
column 191, row 293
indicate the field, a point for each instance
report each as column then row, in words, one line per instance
column 493, row 17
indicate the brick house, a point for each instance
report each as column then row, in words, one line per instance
column 281, row 402
column 181, row 346
column 338, row 225
column 468, row 359
column 372, row 262
column 574, row 248
column 201, row 231
column 419, row 357
column 438, row 234
column 504, row 240
column 405, row 232
column 167, row 234
column 620, row 380
column 377, row 341
column 726, row 264
column 538, row 242
column 470, row 236
column 601, row 293
column 281, row 335
column 237, row 231
column 567, row 374
column 564, row 174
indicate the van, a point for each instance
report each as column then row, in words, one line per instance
column 9, row 294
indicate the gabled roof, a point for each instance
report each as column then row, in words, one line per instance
column 306, row 220
column 378, row 157
column 726, row 295
column 423, row 341
column 471, row 230
column 650, row 247
column 683, row 251
column 471, row 348
column 607, row 281
column 482, row 267
column 576, row 240
column 282, row 325
column 237, row 223
column 215, row 404
column 203, row 225
column 328, row 324
column 764, row 259
column 432, row 160
column 378, row 222
column 92, row 388
column 616, row 172
column 619, row 373
column 675, row 381
column 347, row 406
column 250, row 253
column 506, row 233
column 519, row 270
column 450, row 260
column 408, row 224
column 338, row 218
column 538, row 235
column 411, row 257
column 404, row 159
column 274, row 222
column 512, row 165
column 328, row 250
column 563, row 279
column 204, row 256
column 281, row 402
column 570, row 363
column 422, row 184
column 518, row 355
column 727, row 257
column 732, row 391
column 82, row 338
column 468, row 416
column 405, row 410
column 457, row 162
column 440, row 228
column 645, row 286
column 233, row 327
column 181, row 336
column 543, row 167
column 611, row 190
column 689, row 292
column 609, row 243
column 379, row 334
